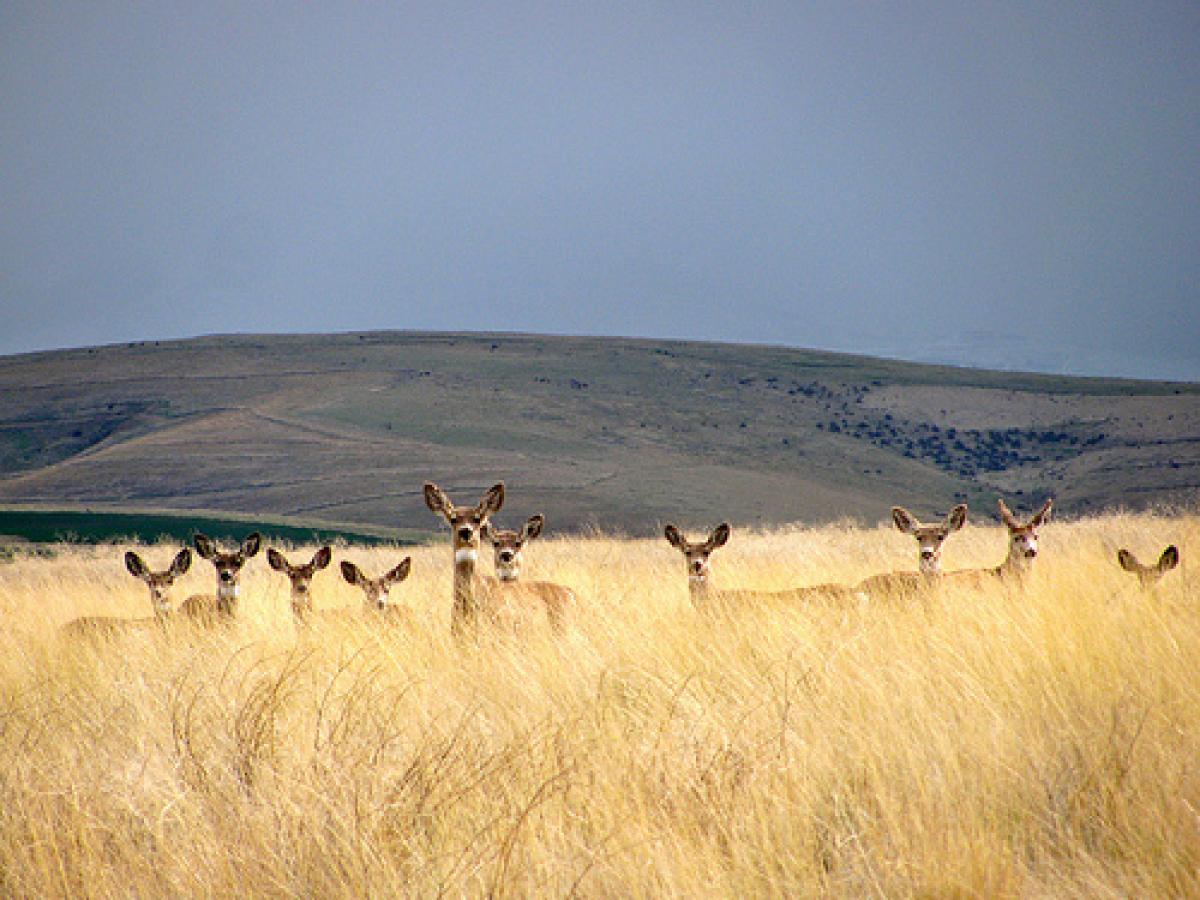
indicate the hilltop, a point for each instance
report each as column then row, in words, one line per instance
column 617, row 433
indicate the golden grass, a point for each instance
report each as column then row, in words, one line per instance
column 1034, row 741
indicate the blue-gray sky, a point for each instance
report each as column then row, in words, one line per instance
column 1013, row 184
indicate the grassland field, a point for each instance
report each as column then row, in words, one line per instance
column 1031, row 740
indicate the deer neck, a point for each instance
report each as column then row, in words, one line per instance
column 161, row 606
column 301, row 605
column 465, row 605
column 698, row 590
column 930, row 567
column 1015, row 564
column 227, row 597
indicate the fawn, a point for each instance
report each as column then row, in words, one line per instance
column 507, row 547
column 159, row 584
column 375, row 590
column 697, row 556
column 228, row 566
column 1022, row 546
column 930, row 538
column 1149, row 575
column 301, row 577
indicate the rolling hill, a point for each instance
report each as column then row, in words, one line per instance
column 622, row 434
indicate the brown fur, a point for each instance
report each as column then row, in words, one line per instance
column 697, row 556
column 375, row 591
column 157, row 582
column 300, row 576
column 507, row 588
column 930, row 538
column 1149, row 575
column 221, row 605
column 1022, row 545
column 478, row 598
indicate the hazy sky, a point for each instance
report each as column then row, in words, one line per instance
column 1005, row 183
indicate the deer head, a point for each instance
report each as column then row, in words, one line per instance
column 375, row 590
column 300, row 576
column 1149, row 575
column 227, row 565
column 1022, row 536
column 697, row 554
column 507, row 546
column 465, row 522
column 159, row 583
column 930, row 537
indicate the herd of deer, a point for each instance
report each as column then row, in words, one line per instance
column 506, row 599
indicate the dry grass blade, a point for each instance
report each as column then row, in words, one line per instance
column 991, row 739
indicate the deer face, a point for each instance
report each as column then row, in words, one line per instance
column 375, row 590
column 1149, row 575
column 227, row 565
column 930, row 537
column 507, row 546
column 159, row 583
column 697, row 555
column 465, row 523
column 300, row 576
column 1023, row 536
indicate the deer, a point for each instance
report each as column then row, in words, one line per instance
column 1022, row 546
column 475, row 597
column 159, row 584
column 507, row 547
column 301, row 577
column 930, row 538
column 697, row 555
column 465, row 523
column 1149, row 575
column 375, row 591
column 223, row 605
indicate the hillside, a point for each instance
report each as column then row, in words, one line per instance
column 618, row 433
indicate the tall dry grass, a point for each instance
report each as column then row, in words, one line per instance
column 1034, row 741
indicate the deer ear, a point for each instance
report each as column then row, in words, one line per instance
column 181, row 563
column 1006, row 516
column 204, row 545
column 957, row 517
column 401, row 571
column 674, row 537
column 136, row 565
column 275, row 560
column 1043, row 514
column 1127, row 560
column 322, row 558
column 719, row 536
column 903, row 519
column 251, row 544
column 492, row 500
column 352, row 573
column 1169, row 559
column 533, row 527
column 437, row 501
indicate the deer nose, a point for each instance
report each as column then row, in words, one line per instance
column 464, row 533
column 506, row 556
column 697, row 567
column 926, row 553
column 227, row 576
